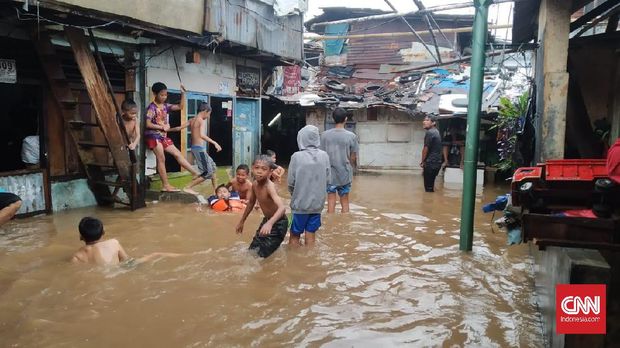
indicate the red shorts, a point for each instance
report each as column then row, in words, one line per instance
column 152, row 142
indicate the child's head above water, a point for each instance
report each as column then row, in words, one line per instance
column 242, row 173
column 129, row 109
column 91, row 229
column 271, row 154
column 262, row 167
column 222, row 192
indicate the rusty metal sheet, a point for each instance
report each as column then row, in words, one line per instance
column 28, row 186
column 371, row 74
column 388, row 51
column 254, row 24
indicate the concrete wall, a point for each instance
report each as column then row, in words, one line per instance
column 29, row 187
column 316, row 117
column 393, row 141
column 215, row 74
column 185, row 15
column 71, row 194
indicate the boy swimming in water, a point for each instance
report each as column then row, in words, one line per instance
column 224, row 200
column 240, row 182
column 103, row 252
column 272, row 230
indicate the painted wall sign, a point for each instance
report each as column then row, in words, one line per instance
column 292, row 80
column 248, row 80
column 8, row 71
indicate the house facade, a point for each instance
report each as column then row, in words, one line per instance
column 59, row 56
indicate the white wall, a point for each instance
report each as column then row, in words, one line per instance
column 215, row 74
column 185, row 15
column 393, row 141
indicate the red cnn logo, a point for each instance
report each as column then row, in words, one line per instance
column 580, row 308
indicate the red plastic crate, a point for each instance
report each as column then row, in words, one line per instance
column 575, row 170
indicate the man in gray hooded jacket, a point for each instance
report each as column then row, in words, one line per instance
column 308, row 177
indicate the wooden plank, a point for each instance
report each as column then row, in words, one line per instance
column 103, row 104
column 55, row 137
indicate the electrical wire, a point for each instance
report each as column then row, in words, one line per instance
column 37, row 17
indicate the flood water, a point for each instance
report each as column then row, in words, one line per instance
column 388, row 274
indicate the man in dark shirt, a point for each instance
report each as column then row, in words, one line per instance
column 431, row 154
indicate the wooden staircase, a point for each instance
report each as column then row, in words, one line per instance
column 101, row 142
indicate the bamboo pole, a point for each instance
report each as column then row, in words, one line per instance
column 400, row 34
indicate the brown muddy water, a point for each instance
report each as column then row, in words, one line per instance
column 388, row 274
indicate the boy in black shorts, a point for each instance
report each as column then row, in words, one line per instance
column 272, row 230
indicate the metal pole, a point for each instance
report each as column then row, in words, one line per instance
column 395, row 15
column 430, row 28
column 437, row 59
column 473, row 124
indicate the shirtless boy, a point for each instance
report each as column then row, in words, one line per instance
column 240, row 182
column 278, row 171
column 272, row 230
column 206, row 165
column 129, row 114
column 103, row 252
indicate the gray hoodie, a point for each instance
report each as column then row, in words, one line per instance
column 308, row 173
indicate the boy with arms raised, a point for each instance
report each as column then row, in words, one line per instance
column 308, row 177
column 205, row 164
column 156, row 134
column 272, row 230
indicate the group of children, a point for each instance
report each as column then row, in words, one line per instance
column 323, row 167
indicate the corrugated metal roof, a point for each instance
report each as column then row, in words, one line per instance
column 254, row 24
column 387, row 51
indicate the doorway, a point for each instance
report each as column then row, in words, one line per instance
column 220, row 130
column 20, row 117
column 174, row 118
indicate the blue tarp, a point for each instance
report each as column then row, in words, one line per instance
column 334, row 47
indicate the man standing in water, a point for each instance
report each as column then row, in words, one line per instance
column 341, row 146
column 431, row 153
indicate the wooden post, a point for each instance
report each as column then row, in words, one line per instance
column 552, row 77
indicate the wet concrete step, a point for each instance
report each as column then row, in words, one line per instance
column 180, row 197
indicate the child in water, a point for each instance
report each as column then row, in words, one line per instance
column 272, row 230
column 103, row 252
column 278, row 172
column 224, row 200
column 240, row 182
column 308, row 177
